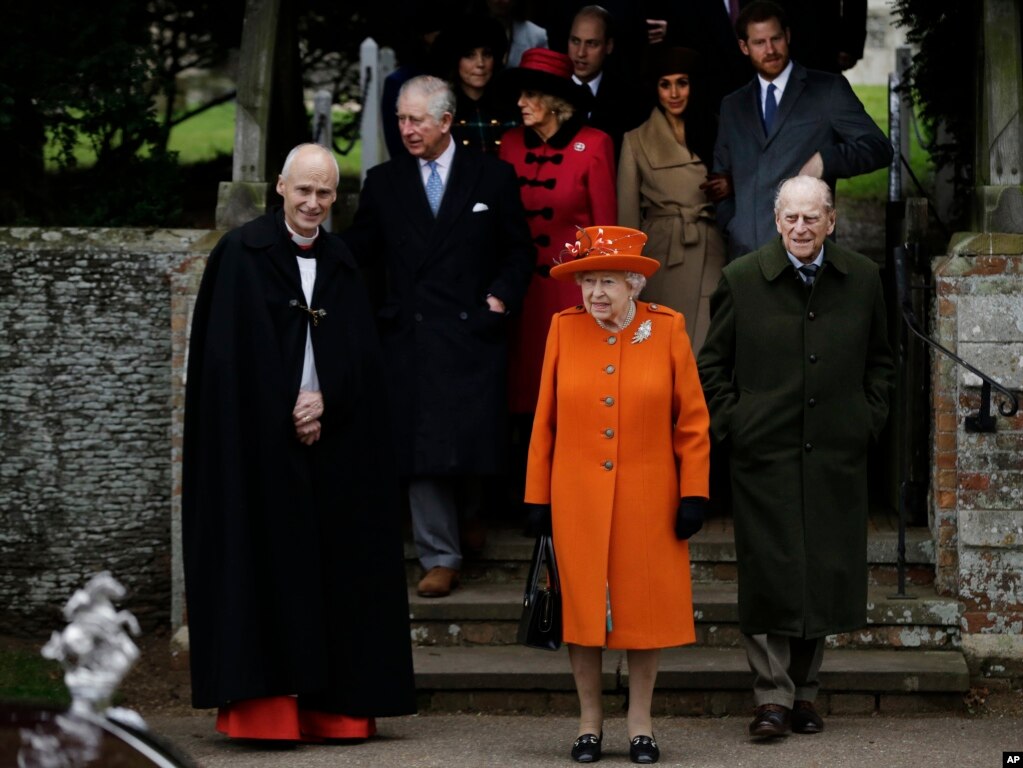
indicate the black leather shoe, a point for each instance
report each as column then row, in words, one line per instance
column 643, row 749
column 805, row 718
column 586, row 749
column 769, row 720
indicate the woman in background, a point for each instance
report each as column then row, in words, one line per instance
column 661, row 171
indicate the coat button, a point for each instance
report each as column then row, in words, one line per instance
column 612, row 339
column 463, row 315
column 609, row 433
column 418, row 317
column 808, row 447
column 813, row 402
column 812, row 315
column 609, row 465
column 813, row 358
column 654, row 307
column 609, row 401
column 609, row 369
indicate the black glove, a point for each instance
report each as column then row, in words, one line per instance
column 689, row 518
column 538, row 519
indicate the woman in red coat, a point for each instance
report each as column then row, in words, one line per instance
column 618, row 471
column 567, row 178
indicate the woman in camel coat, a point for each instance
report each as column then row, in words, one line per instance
column 660, row 173
column 618, row 466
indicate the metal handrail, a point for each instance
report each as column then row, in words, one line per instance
column 982, row 421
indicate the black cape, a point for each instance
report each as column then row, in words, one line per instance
column 293, row 560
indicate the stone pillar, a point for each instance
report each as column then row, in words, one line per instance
column 998, row 199
column 977, row 478
column 244, row 197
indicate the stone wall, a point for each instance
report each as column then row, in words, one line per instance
column 85, row 416
column 977, row 478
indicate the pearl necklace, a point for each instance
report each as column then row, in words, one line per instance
column 625, row 323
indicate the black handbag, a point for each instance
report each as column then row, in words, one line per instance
column 540, row 625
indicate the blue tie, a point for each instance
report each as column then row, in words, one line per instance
column 434, row 188
column 809, row 272
column 770, row 108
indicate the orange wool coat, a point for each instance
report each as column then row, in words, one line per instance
column 620, row 434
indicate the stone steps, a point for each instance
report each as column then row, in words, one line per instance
column 486, row 613
column 505, row 558
column 692, row 681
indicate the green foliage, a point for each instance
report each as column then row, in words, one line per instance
column 874, row 186
column 25, row 676
column 943, row 80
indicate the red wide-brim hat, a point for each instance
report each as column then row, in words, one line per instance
column 605, row 249
column 546, row 71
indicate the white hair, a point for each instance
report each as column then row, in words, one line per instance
column 286, row 168
column 634, row 279
column 809, row 183
column 440, row 97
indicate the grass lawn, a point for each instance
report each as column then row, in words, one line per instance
column 25, row 676
column 211, row 133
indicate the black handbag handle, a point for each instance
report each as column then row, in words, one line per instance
column 543, row 552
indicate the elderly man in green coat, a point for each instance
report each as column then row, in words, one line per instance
column 797, row 372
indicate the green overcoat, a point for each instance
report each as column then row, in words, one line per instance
column 797, row 381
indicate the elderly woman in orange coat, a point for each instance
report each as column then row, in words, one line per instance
column 618, row 471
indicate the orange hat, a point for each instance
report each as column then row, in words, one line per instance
column 606, row 249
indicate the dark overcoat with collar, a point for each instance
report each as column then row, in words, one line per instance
column 446, row 352
column 294, row 572
column 798, row 381
column 818, row 112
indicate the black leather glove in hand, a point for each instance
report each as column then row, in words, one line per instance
column 689, row 518
column 538, row 519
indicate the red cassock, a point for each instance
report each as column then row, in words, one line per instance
column 566, row 182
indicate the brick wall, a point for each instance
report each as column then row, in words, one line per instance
column 977, row 478
column 85, row 416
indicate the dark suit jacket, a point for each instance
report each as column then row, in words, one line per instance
column 818, row 113
column 444, row 349
column 619, row 107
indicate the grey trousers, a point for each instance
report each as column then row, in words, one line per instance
column 436, row 503
column 785, row 669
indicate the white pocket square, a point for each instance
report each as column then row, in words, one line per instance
column 480, row 207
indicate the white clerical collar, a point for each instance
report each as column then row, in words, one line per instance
column 593, row 85
column 301, row 240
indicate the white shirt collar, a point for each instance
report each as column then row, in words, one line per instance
column 779, row 82
column 443, row 160
column 593, row 85
column 797, row 263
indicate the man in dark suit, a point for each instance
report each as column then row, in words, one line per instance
column 444, row 230
column 797, row 373
column 787, row 121
column 617, row 104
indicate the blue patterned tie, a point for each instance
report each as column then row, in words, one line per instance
column 434, row 188
column 770, row 108
column 809, row 272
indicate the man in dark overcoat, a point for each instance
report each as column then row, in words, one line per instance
column 445, row 229
column 797, row 373
column 294, row 575
column 787, row 121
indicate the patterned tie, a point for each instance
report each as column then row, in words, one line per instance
column 434, row 188
column 809, row 273
column 770, row 108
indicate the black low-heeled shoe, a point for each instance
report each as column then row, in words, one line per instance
column 586, row 749
column 643, row 749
